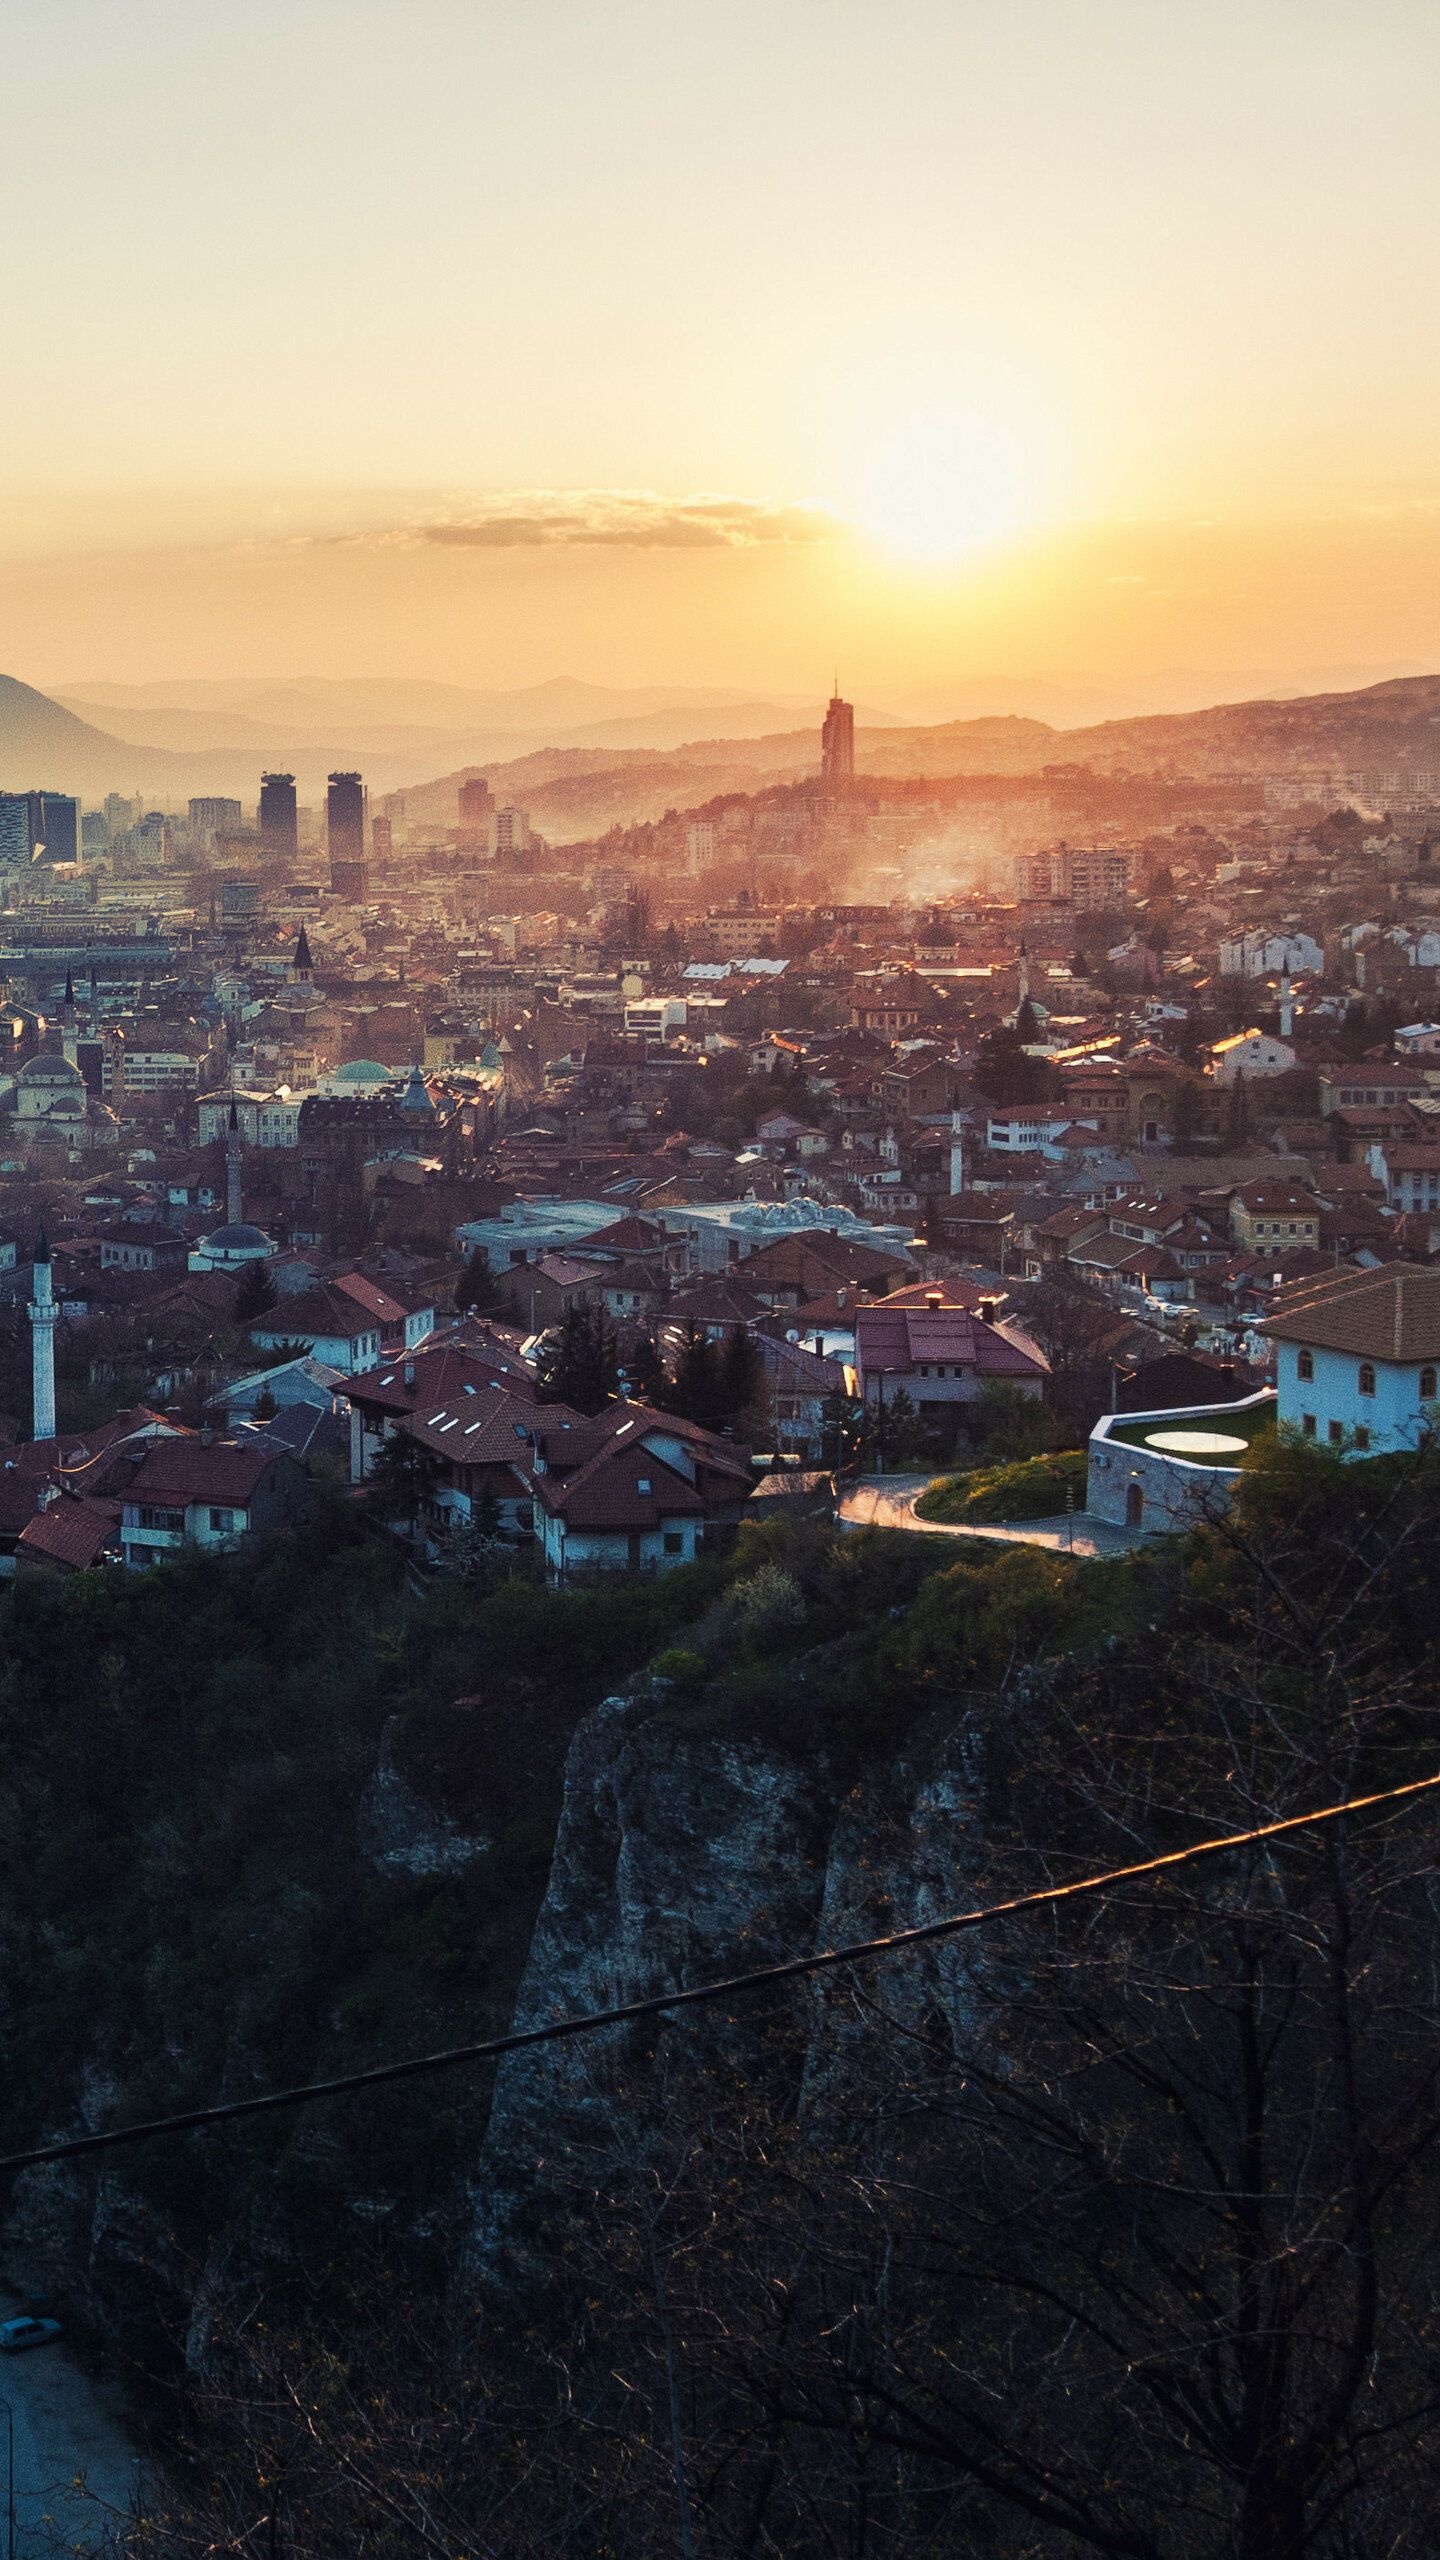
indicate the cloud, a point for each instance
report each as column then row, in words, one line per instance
column 636, row 519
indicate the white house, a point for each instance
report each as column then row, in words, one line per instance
column 1357, row 1358
column 1250, row 1054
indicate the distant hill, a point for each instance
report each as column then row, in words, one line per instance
column 636, row 753
column 1395, row 725
column 45, row 747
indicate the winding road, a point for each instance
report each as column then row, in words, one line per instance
column 888, row 1502
column 66, row 2427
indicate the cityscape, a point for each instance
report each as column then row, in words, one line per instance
column 720, row 1291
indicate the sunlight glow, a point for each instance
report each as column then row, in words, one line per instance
column 941, row 487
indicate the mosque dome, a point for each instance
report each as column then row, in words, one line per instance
column 229, row 1248
column 49, row 1071
column 361, row 1075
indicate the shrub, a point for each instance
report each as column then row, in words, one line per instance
column 681, row 1669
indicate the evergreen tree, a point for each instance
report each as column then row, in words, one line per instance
column 644, row 1367
column 1185, row 1126
column 402, row 1479
column 580, row 1365
column 1237, row 1115
column 476, row 1290
column 254, row 1294
column 740, row 1384
column 693, row 1392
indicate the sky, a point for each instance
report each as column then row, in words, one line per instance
column 657, row 342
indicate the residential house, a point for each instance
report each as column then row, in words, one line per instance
column 331, row 1325
column 634, row 1491
column 942, row 1356
column 1275, row 1217
column 190, row 1491
column 1251, row 1055
column 1358, row 1357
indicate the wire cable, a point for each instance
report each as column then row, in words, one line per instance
column 729, row 1987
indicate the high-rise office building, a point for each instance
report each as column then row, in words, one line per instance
column 837, row 742
column 475, row 802
column 345, row 835
column 279, row 830
column 59, row 829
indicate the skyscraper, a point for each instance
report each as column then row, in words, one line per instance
column 16, row 841
column 279, row 833
column 837, row 742
column 345, row 834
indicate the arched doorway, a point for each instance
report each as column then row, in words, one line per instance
column 1134, row 1504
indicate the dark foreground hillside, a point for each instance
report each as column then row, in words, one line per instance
column 1109, row 2230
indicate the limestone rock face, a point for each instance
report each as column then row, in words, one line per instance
column 403, row 1834
column 682, row 1857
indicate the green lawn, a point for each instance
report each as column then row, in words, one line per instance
column 1029, row 1489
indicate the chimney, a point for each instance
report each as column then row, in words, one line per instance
column 934, row 1299
column 206, row 1435
column 409, row 1373
column 988, row 1310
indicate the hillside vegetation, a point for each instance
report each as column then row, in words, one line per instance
column 1171, row 2154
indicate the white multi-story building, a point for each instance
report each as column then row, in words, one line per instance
column 1265, row 955
column 509, row 833
column 267, row 1119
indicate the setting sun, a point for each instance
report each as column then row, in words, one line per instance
column 941, row 487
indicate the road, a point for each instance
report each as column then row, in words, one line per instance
column 888, row 1502
column 66, row 2424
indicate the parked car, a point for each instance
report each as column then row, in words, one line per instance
column 25, row 2332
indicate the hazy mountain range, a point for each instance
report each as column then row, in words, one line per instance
column 584, row 755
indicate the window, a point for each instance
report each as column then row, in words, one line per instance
column 1337, row 1434
column 1427, row 1386
column 222, row 1520
column 1305, row 1364
column 674, row 1542
column 152, row 1517
column 1367, row 1378
column 1307, row 1425
column 642, row 1484
column 1362, row 1436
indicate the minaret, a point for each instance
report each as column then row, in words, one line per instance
column 69, row 1029
column 1287, row 1005
column 43, row 1312
column 234, row 1204
column 957, row 1154
column 1022, row 977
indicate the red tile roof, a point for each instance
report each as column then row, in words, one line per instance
column 72, row 1532
column 897, row 1340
